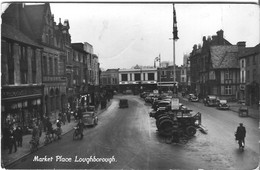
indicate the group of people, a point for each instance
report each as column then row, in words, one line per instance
column 13, row 137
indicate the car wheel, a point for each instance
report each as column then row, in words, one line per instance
column 191, row 130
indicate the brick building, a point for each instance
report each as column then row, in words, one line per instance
column 214, row 68
column 250, row 75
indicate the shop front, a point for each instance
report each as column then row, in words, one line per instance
column 21, row 105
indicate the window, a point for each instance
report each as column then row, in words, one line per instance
column 44, row 65
column 10, row 63
column 228, row 90
column 23, row 65
column 254, row 60
column 243, row 63
column 143, row 76
column 150, row 76
column 131, row 77
column 33, row 66
column 254, row 74
column 137, row 76
column 243, row 76
column 51, row 66
column 212, row 75
column 247, row 61
column 228, row 74
column 124, row 77
column 56, row 66
column 248, row 76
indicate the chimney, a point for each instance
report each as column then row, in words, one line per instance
column 241, row 44
column 220, row 34
column 241, row 47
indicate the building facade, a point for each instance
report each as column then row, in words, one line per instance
column 110, row 80
column 165, row 78
column 249, row 59
column 214, row 68
column 21, row 80
column 52, row 38
column 137, row 80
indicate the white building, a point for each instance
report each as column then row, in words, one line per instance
column 136, row 80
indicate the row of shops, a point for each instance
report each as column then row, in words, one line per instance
column 21, row 105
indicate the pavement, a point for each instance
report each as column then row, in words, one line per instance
column 8, row 159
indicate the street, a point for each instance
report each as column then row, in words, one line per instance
column 127, row 139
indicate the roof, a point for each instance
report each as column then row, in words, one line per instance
column 16, row 35
column 250, row 51
column 35, row 14
column 224, row 56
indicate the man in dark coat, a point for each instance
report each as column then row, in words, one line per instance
column 241, row 133
column 12, row 140
column 19, row 136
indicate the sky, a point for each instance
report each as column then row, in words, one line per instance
column 124, row 35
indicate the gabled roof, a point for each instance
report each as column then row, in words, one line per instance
column 16, row 35
column 15, row 16
column 224, row 56
column 35, row 14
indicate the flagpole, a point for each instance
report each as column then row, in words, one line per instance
column 175, row 37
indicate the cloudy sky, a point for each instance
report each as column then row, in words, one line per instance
column 124, row 35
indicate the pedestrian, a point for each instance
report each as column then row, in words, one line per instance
column 241, row 134
column 80, row 113
column 80, row 125
column 19, row 136
column 40, row 126
column 68, row 115
column 49, row 126
column 12, row 140
column 63, row 117
column 44, row 121
column 35, row 133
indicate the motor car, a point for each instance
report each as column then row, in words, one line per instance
column 193, row 98
column 164, row 105
column 123, row 103
column 211, row 100
column 90, row 116
column 149, row 98
column 222, row 105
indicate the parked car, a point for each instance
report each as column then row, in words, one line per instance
column 193, row 98
column 149, row 98
column 211, row 100
column 144, row 94
column 222, row 105
column 164, row 104
column 90, row 116
column 123, row 103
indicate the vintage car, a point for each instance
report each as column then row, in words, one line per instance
column 222, row 105
column 193, row 98
column 123, row 103
column 211, row 100
column 90, row 116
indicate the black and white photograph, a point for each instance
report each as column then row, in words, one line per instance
column 150, row 85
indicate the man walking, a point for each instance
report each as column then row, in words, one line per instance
column 240, row 135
